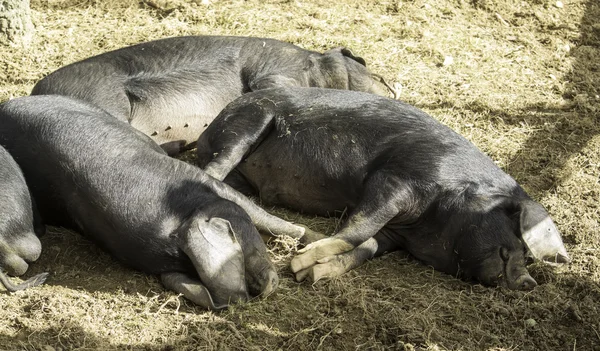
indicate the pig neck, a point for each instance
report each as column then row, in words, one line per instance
column 261, row 59
column 425, row 237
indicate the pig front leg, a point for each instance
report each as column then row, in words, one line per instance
column 337, row 265
column 230, row 136
column 263, row 221
column 223, row 145
column 385, row 197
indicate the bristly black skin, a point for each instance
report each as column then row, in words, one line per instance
column 407, row 180
column 172, row 88
column 20, row 224
column 93, row 173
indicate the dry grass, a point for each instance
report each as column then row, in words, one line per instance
column 523, row 85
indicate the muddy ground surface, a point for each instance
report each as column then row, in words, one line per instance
column 520, row 79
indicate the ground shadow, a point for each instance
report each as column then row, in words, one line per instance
column 578, row 121
column 77, row 263
column 560, row 132
column 71, row 336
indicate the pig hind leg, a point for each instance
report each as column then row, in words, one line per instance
column 237, row 181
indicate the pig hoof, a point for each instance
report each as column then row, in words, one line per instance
column 318, row 250
column 329, row 267
column 301, row 275
column 301, row 262
column 526, row 283
column 311, row 236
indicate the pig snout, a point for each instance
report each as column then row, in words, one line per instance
column 28, row 247
column 261, row 276
column 238, row 297
column 14, row 265
column 516, row 275
column 523, row 282
column 271, row 281
column 15, row 254
column 229, row 286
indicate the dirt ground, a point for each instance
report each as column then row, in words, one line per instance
column 520, row 79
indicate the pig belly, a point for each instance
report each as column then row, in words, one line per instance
column 176, row 118
column 307, row 192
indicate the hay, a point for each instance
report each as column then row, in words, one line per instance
column 518, row 78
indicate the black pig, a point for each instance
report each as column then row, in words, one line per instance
column 407, row 180
column 171, row 89
column 90, row 172
column 19, row 226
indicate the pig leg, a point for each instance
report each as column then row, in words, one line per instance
column 226, row 140
column 192, row 289
column 385, row 197
column 260, row 218
column 337, row 265
column 221, row 148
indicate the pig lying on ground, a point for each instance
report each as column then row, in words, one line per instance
column 19, row 226
column 88, row 171
column 408, row 182
column 171, row 89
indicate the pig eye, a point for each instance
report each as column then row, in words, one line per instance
column 504, row 254
column 528, row 256
column 529, row 260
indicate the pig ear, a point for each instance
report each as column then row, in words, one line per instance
column 213, row 244
column 540, row 234
column 347, row 53
column 217, row 256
